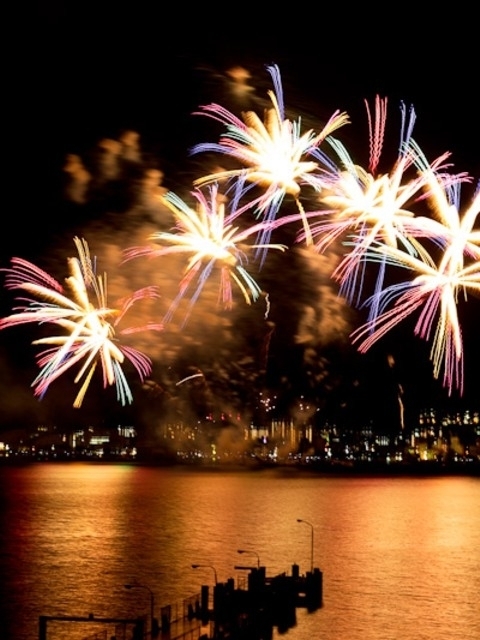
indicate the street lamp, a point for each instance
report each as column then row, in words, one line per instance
column 153, row 621
column 206, row 566
column 253, row 553
column 311, row 540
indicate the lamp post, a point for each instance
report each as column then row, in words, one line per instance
column 311, row 540
column 154, row 629
column 207, row 566
column 253, row 553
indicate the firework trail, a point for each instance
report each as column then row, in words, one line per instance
column 212, row 239
column 436, row 287
column 373, row 207
column 188, row 378
column 274, row 154
column 80, row 310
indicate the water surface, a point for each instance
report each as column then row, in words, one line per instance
column 400, row 556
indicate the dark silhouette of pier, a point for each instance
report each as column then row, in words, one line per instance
column 250, row 610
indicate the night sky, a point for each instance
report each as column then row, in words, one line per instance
column 81, row 74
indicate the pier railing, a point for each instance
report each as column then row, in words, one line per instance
column 181, row 620
column 248, row 611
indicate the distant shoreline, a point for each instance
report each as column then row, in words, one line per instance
column 327, row 469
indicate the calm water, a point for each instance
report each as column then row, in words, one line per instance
column 400, row 556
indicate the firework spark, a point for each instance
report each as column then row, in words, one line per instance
column 79, row 309
column 212, row 239
column 436, row 288
column 274, row 154
column 375, row 207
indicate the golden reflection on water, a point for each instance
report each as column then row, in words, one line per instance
column 400, row 556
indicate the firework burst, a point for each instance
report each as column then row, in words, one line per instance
column 88, row 325
column 212, row 239
column 274, row 153
column 374, row 208
column 437, row 286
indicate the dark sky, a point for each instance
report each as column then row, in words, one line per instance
column 99, row 60
column 79, row 69
column 79, row 72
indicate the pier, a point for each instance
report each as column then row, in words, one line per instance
column 247, row 610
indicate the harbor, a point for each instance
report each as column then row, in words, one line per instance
column 246, row 608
